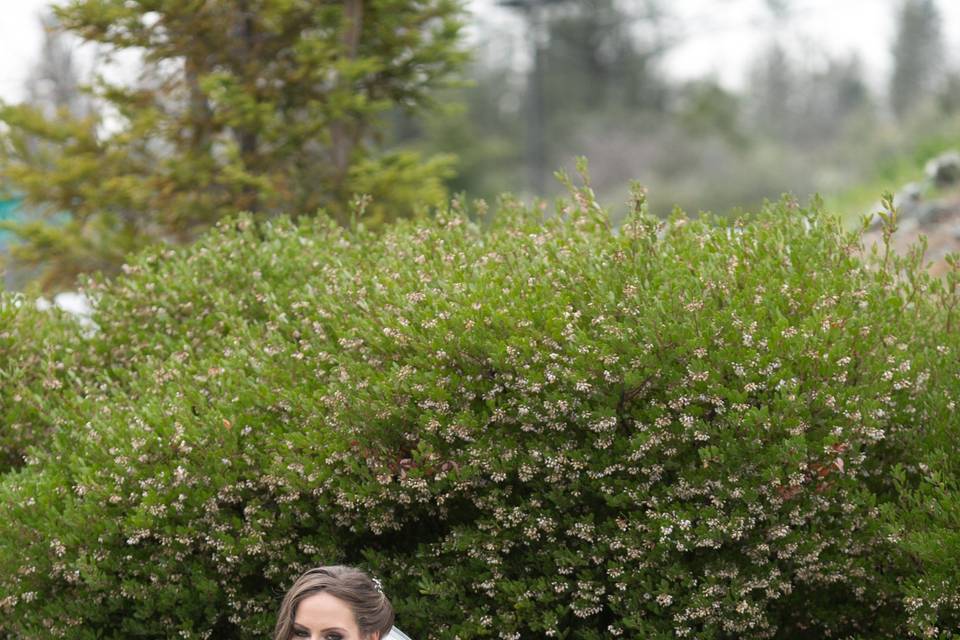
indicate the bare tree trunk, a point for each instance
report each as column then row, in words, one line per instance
column 344, row 135
column 200, row 114
column 246, row 138
column 353, row 17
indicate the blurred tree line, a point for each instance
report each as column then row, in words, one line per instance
column 595, row 84
column 289, row 106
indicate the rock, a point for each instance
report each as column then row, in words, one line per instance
column 944, row 170
column 908, row 197
column 929, row 212
column 908, row 225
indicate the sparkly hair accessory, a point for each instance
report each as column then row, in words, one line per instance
column 377, row 584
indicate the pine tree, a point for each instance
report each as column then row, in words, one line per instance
column 55, row 82
column 773, row 99
column 267, row 106
column 917, row 54
column 587, row 56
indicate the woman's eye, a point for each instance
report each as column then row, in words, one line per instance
column 301, row 633
column 334, row 636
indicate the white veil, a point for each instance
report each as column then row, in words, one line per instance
column 396, row 634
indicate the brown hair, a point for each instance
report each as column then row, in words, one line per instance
column 370, row 606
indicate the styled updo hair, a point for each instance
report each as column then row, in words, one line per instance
column 371, row 608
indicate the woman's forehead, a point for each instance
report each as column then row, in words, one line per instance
column 323, row 609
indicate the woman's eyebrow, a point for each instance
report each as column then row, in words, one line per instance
column 297, row 627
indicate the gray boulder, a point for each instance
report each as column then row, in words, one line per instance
column 944, row 170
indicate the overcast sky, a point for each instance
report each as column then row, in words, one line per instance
column 720, row 35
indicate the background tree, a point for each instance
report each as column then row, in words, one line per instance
column 600, row 57
column 482, row 124
column 917, row 54
column 268, row 106
column 831, row 97
column 56, row 79
column 773, row 93
column 575, row 75
column 54, row 88
column 600, row 54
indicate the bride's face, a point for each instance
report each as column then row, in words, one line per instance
column 326, row 617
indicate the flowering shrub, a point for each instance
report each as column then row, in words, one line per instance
column 546, row 428
column 928, row 520
column 41, row 355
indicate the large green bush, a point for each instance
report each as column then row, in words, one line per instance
column 541, row 428
column 42, row 357
column 927, row 521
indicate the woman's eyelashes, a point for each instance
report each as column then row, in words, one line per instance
column 304, row 633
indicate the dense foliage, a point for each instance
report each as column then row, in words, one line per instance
column 42, row 357
column 527, row 427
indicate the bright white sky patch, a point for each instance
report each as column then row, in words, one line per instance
column 20, row 38
column 721, row 36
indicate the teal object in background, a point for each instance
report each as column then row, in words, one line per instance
column 8, row 207
column 9, row 210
